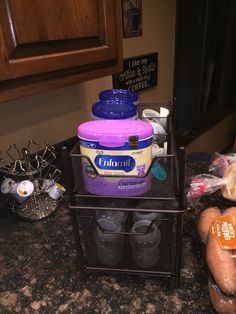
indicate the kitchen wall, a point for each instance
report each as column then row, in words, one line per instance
column 219, row 138
column 51, row 116
column 54, row 116
column 158, row 36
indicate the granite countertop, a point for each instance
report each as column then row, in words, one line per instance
column 38, row 272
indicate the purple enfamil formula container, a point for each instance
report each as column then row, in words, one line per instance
column 117, row 149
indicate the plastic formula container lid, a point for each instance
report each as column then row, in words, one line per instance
column 119, row 94
column 114, row 133
column 113, row 109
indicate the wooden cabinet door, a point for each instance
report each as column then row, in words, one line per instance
column 39, row 36
column 48, row 44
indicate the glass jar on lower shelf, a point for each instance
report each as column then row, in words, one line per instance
column 111, row 220
column 109, row 247
column 145, row 242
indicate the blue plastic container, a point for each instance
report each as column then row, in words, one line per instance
column 120, row 95
column 114, row 110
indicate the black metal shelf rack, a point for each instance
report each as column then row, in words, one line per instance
column 165, row 197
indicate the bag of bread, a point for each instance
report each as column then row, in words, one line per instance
column 229, row 189
column 220, row 163
column 205, row 184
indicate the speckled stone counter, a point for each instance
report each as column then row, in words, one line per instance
column 38, row 272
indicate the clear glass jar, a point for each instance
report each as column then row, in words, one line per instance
column 145, row 244
column 111, row 220
column 147, row 216
column 109, row 246
column 151, row 214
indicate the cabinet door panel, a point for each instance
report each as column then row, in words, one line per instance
column 45, row 20
column 49, row 35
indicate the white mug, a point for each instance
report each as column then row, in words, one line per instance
column 23, row 190
column 7, row 185
column 47, row 185
column 56, row 191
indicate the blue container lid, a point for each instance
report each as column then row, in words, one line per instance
column 119, row 94
column 112, row 109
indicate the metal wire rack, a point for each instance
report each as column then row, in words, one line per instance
column 41, row 192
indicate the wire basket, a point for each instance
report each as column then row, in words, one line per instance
column 30, row 180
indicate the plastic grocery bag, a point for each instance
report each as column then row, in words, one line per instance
column 220, row 163
column 205, row 184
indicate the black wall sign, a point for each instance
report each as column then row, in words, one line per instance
column 138, row 73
